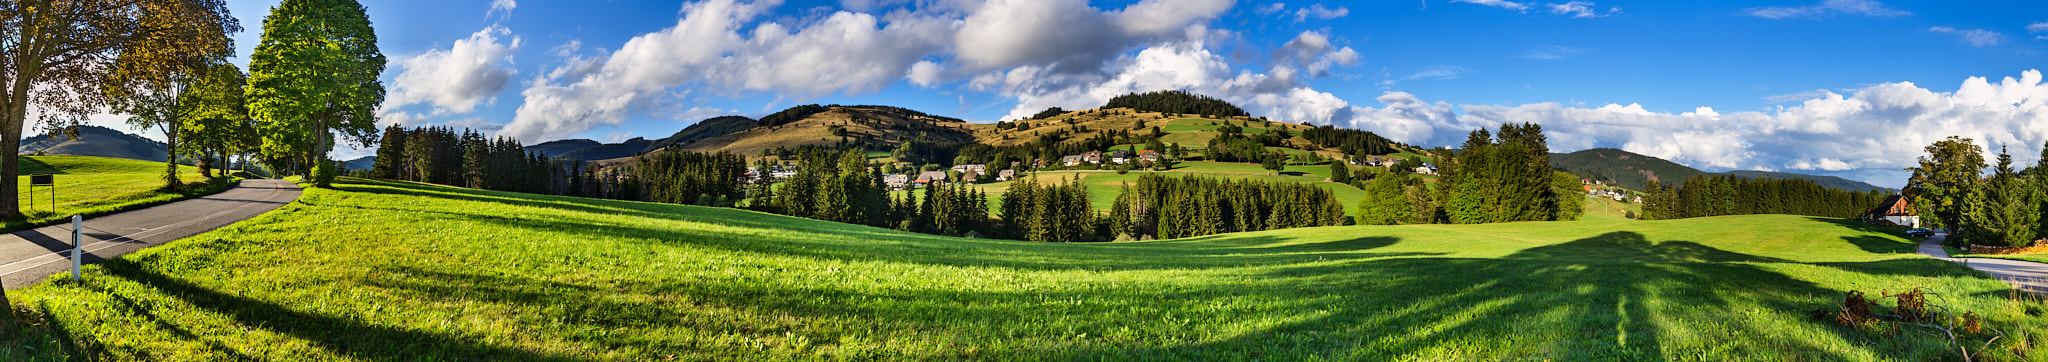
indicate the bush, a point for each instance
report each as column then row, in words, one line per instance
column 323, row 173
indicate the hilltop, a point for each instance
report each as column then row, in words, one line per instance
column 97, row 141
column 1635, row 171
column 873, row 127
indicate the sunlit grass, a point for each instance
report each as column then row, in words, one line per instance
column 397, row 271
column 94, row 186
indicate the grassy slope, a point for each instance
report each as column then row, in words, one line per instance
column 377, row 271
column 93, row 186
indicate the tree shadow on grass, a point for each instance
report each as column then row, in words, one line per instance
column 341, row 335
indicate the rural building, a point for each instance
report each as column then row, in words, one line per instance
column 1148, row 156
column 1071, row 160
column 1119, row 156
column 931, row 177
column 1006, row 175
column 896, row 181
column 1094, row 157
column 1895, row 210
column 971, row 168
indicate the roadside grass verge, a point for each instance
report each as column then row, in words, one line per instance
column 93, row 186
column 402, row 271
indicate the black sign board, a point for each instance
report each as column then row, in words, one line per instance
column 42, row 180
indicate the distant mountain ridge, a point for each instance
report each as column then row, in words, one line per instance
column 97, row 141
column 1635, row 171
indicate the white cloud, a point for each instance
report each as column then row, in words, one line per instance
column 457, row 79
column 1271, row 9
column 1974, row 37
column 1504, row 4
column 1827, row 8
column 1054, row 42
column 1798, row 97
column 1870, row 134
column 501, row 7
column 1311, row 51
column 1319, row 12
column 1581, row 10
column 1438, row 72
column 2038, row 26
column 925, row 74
column 1553, row 52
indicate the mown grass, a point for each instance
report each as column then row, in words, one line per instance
column 93, row 186
column 2038, row 258
column 398, row 271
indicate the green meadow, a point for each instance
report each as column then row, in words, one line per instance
column 96, row 185
column 400, row 271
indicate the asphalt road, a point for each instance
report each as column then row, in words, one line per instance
column 27, row 257
column 2025, row 275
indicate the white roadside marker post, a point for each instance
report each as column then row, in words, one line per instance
column 76, row 221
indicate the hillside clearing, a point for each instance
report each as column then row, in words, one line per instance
column 377, row 271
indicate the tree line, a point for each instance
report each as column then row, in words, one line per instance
column 1506, row 177
column 441, row 155
column 1702, row 196
column 1949, row 189
column 1174, row 101
column 1176, row 207
column 1349, row 141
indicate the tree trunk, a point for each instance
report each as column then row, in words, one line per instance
column 16, row 114
column 171, row 181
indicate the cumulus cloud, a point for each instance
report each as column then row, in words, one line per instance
column 457, row 79
column 1312, row 52
column 1870, row 133
column 1054, row 41
column 1827, row 8
column 1319, row 12
column 1974, row 37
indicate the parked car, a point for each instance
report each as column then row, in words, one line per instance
column 1920, row 233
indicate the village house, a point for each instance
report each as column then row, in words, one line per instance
column 1074, row 160
column 1148, row 156
column 928, row 178
column 970, row 168
column 896, row 181
column 1006, row 175
column 1119, row 156
column 1895, row 210
column 780, row 171
column 1094, row 157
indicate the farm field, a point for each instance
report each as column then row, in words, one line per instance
column 95, row 185
column 383, row 270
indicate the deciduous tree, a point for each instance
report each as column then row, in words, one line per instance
column 1941, row 185
column 315, row 74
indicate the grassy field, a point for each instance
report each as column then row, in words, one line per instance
column 398, row 271
column 95, row 185
column 1103, row 186
column 1597, row 208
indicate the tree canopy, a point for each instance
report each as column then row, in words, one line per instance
column 315, row 73
column 1174, row 101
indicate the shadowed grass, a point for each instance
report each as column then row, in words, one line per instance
column 402, row 271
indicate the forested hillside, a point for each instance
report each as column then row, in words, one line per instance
column 1635, row 171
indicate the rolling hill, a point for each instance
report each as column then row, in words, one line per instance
column 1635, row 171
column 877, row 127
column 556, row 148
column 97, row 141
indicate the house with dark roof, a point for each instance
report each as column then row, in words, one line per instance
column 1895, row 210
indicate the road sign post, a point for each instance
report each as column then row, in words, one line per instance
column 76, row 245
column 42, row 180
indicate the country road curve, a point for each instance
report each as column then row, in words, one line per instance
column 2025, row 275
column 29, row 256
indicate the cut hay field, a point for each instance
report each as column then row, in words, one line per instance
column 400, row 271
column 93, row 186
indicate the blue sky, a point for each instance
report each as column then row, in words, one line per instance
column 1840, row 87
